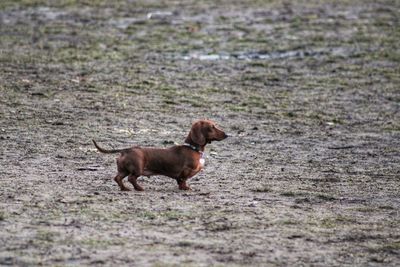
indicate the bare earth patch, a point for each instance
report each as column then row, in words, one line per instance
column 308, row 91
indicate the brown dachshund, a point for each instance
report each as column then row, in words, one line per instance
column 178, row 162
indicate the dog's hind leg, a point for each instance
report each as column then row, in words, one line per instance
column 120, row 176
column 133, row 180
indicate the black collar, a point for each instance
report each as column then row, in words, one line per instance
column 195, row 148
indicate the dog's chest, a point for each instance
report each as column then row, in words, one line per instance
column 202, row 160
column 198, row 164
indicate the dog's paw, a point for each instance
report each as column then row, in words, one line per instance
column 139, row 188
column 186, row 188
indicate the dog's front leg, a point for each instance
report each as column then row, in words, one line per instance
column 182, row 184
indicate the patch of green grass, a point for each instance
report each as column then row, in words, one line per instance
column 328, row 223
column 256, row 101
column 292, row 193
column 289, row 222
column 254, row 77
column 288, row 194
column 168, row 264
column 392, row 128
column 259, row 63
column 291, row 114
column 393, row 55
column 59, row 4
column 346, row 219
column 185, row 243
column 337, row 121
column 147, row 215
column 386, row 207
column 325, row 197
column 27, row 3
column 103, row 243
column 170, row 102
column 210, row 90
column 195, row 100
column 45, row 235
column 168, row 214
column 388, row 247
column 365, row 209
column 321, row 116
column 166, row 89
column 172, row 215
column 394, row 245
column 262, row 189
column 236, row 108
column 85, row 54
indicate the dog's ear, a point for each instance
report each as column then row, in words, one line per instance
column 196, row 134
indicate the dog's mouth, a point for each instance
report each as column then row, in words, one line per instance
column 219, row 138
column 224, row 136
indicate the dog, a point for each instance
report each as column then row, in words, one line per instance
column 179, row 162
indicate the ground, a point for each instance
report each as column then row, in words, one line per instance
column 307, row 90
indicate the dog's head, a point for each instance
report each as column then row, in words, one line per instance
column 205, row 131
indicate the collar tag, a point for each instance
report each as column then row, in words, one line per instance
column 202, row 161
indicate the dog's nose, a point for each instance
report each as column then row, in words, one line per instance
column 225, row 135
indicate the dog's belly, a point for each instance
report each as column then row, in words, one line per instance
column 148, row 173
column 185, row 173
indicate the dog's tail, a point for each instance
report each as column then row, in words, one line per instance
column 102, row 150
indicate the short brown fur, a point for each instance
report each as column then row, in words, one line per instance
column 179, row 162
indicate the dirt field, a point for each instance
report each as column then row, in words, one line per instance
column 308, row 90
